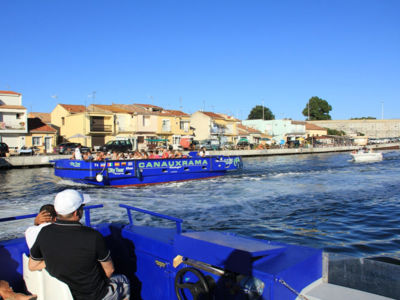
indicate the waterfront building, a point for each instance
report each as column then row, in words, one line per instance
column 13, row 120
column 77, row 124
column 314, row 130
column 41, row 135
column 213, row 126
column 173, row 126
column 251, row 135
column 280, row 130
column 58, row 117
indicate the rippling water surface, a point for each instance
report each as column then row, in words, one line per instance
column 323, row 201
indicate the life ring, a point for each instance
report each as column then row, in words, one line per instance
column 99, row 177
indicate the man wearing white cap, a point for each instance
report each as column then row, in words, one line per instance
column 76, row 254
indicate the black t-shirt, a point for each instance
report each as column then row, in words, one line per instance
column 73, row 253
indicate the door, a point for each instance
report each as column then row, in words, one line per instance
column 47, row 145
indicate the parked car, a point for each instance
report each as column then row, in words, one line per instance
column 210, row 144
column 3, row 149
column 28, row 151
column 68, row 148
column 117, row 145
column 244, row 145
column 228, row 146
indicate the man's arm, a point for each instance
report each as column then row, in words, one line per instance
column 36, row 265
column 108, row 267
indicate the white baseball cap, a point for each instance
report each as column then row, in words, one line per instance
column 69, row 200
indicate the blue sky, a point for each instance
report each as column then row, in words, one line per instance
column 221, row 56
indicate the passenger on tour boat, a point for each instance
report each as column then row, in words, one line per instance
column 87, row 156
column 46, row 216
column 165, row 154
column 137, row 155
column 203, row 152
column 144, row 154
column 6, row 292
column 100, row 156
column 151, row 154
column 67, row 248
column 77, row 153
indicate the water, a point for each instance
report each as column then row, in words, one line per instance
column 324, row 201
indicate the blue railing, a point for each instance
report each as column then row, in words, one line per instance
column 130, row 208
column 86, row 210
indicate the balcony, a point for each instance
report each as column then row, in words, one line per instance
column 100, row 128
column 12, row 127
column 217, row 130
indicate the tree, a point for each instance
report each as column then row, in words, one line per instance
column 257, row 113
column 364, row 118
column 335, row 132
column 317, row 109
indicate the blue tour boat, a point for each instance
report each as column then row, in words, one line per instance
column 170, row 263
column 120, row 173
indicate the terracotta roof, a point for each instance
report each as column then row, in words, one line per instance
column 247, row 129
column 9, row 93
column 36, row 125
column 45, row 117
column 135, row 109
column 310, row 126
column 148, row 106
column 12, row 107
column 213, row 115
column 73, row 109
column 242, row 131
column 229, row 118
column 111, row 108
column 298, row 123
column 174, row 113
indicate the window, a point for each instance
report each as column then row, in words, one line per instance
column 176, row 140
column 36, row 141
column 18, row 116
column 146, row 121
column 63, row 121
column 166, row 125
column 184, row 125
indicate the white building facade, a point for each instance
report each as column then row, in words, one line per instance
column 13, row 120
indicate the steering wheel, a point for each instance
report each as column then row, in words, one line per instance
column 197, row 289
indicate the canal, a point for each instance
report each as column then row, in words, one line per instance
column 318, row 200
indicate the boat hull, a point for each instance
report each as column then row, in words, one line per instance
column 145, row 172
column 367, row 157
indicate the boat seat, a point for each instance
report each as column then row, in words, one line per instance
column 228, row 251
column 42, row 284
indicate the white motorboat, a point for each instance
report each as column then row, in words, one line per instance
column 366, row 156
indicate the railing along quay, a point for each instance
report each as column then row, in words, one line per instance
column 45, row 160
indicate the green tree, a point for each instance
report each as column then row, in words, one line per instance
column 317, row 109
column 364, row 118
column 335, row 132
column 257, row 113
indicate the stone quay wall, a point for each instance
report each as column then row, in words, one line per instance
column 45, row 160
column 370, row 128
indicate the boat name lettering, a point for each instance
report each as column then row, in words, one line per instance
column 75, row 164
column 173, row 163
column 236, row 161
column 116, row 170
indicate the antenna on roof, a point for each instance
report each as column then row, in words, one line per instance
column 180, row 104
column 93, row 96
